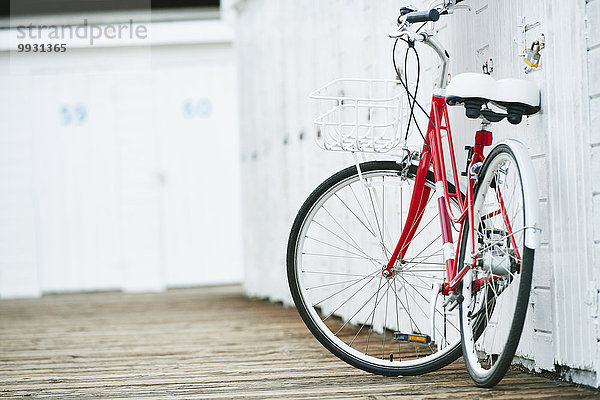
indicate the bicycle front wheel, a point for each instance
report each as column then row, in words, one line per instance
column 496, row 290
column 339, row 244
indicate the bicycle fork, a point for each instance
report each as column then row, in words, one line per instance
column 418, row 202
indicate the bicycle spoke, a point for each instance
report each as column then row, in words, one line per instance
column 425, row 227
column 342, row 249
column 437, row 278
column 370, row 191
column 397, row 316
column 385, row 315
column 341, row 290
column 373, row 316
column 332, row 273
column 336, row 256
column 345, row 241
column 361, row 208
column 352, row 212
column 418, row 218
column 423, row 261
column 407, row 308
column 354, row 245
column 383, row 215
column 412, row 320
column 427, row 301
column 332, row 284
column 356, row 313
column 375, row 215
column 348, row 299
column 426, row 247
column 366, row 319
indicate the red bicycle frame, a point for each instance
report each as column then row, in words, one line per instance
column 433, row 153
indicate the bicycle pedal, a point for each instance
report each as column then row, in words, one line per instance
column 412, row 337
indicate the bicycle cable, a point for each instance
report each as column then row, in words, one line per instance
column 410, row 95
column 412, row 105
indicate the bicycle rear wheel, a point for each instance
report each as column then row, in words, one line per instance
column 496, row 291
column 341, row 240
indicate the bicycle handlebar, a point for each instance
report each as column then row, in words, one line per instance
column 409, row 16
column 432, row 15
column 423, row 16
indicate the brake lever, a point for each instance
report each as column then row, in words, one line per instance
column 403, row 31
column 398, row 33
column 451, row 6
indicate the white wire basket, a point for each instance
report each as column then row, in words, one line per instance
column 360, row 115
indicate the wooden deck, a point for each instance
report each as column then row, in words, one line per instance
column 210, row 343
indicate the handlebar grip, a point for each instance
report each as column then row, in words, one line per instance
column 423, row 16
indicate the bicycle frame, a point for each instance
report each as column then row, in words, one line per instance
column 433, row 153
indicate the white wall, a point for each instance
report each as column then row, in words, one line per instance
column 593, row 47
column 562, row 327
column 119, row 166
column 287, row 48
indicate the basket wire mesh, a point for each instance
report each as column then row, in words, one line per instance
column 360, row 115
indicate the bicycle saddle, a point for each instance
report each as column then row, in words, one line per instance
column 517, row 97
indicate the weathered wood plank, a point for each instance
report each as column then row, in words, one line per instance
column 210, row 343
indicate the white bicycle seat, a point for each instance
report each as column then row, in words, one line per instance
column 517, row 96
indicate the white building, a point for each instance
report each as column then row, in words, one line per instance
column 119, row 164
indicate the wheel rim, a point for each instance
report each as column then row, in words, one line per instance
column 350, row 304
column 491, row 289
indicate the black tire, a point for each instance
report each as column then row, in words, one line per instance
column 323, row 334
column 509, row 289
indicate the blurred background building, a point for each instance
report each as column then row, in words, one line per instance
column 127, row 164
column 115, row 156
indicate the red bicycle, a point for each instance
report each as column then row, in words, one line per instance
column 395, row 267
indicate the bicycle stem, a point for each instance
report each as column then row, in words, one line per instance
column 442, row 80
